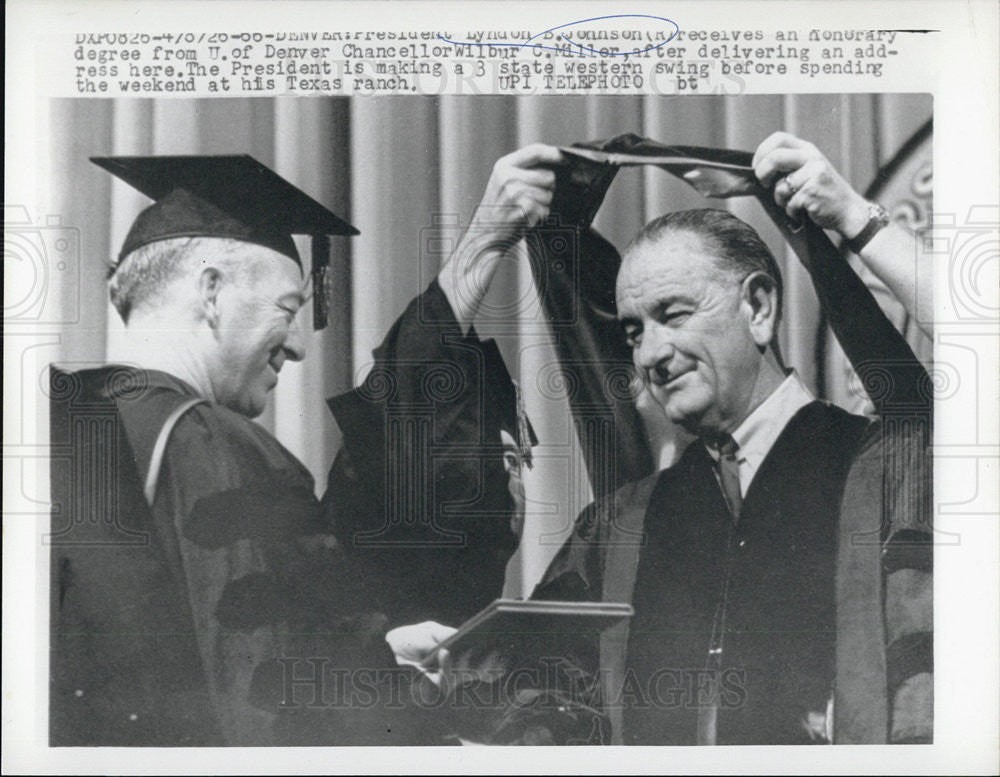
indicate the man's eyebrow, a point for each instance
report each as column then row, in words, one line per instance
column 292, row 297
column 673, row 299
column 301, row 297
column 658, row 306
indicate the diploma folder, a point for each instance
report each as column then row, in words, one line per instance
column 510, row 623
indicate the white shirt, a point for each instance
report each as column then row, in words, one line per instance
column 756, row 435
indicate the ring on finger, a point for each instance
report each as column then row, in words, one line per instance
column 788, row 182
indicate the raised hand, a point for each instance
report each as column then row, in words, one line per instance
column 808, row 186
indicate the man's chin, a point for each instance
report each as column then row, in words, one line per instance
column 251, row 407
column 259, row 404
column 687, row 415
column 250, row 411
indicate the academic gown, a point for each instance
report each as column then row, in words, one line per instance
column 186, row 623
column 831, row 591
column 418, row 493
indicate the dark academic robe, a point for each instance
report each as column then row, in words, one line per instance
column 807, row 604
column 214, row 616
column 418, row 493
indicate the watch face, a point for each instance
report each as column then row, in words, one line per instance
column 878, row 217
column 878, row 213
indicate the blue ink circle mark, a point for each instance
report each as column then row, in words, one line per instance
column 581, row 46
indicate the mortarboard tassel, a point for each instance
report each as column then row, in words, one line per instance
column 523, row 431
column 320, row 262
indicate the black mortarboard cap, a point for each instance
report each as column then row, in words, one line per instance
column 232, row 196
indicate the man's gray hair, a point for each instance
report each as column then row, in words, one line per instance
column 734, row 242
column 141, row 279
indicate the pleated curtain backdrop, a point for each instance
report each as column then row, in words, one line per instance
column 400, row 167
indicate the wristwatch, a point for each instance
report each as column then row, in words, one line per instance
column 878, row 217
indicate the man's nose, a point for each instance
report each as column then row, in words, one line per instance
column 295, row 344
column 654, row 349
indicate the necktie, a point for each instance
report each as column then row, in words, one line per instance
column 729, row 475
column 729, row 479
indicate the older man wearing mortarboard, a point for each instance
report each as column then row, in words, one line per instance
column 188, row 558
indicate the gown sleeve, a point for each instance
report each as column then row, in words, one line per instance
column 418, row 489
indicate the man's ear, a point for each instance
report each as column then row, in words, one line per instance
column 209, row 286
column 760, row 293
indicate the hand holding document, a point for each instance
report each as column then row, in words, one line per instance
column 418, row 645
column 503, row 630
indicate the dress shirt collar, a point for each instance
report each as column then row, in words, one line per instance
column 758, row 432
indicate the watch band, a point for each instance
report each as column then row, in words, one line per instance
column 877, row 218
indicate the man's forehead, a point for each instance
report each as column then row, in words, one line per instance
column 675, row 258
column 271, row 268
column 254, row 251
